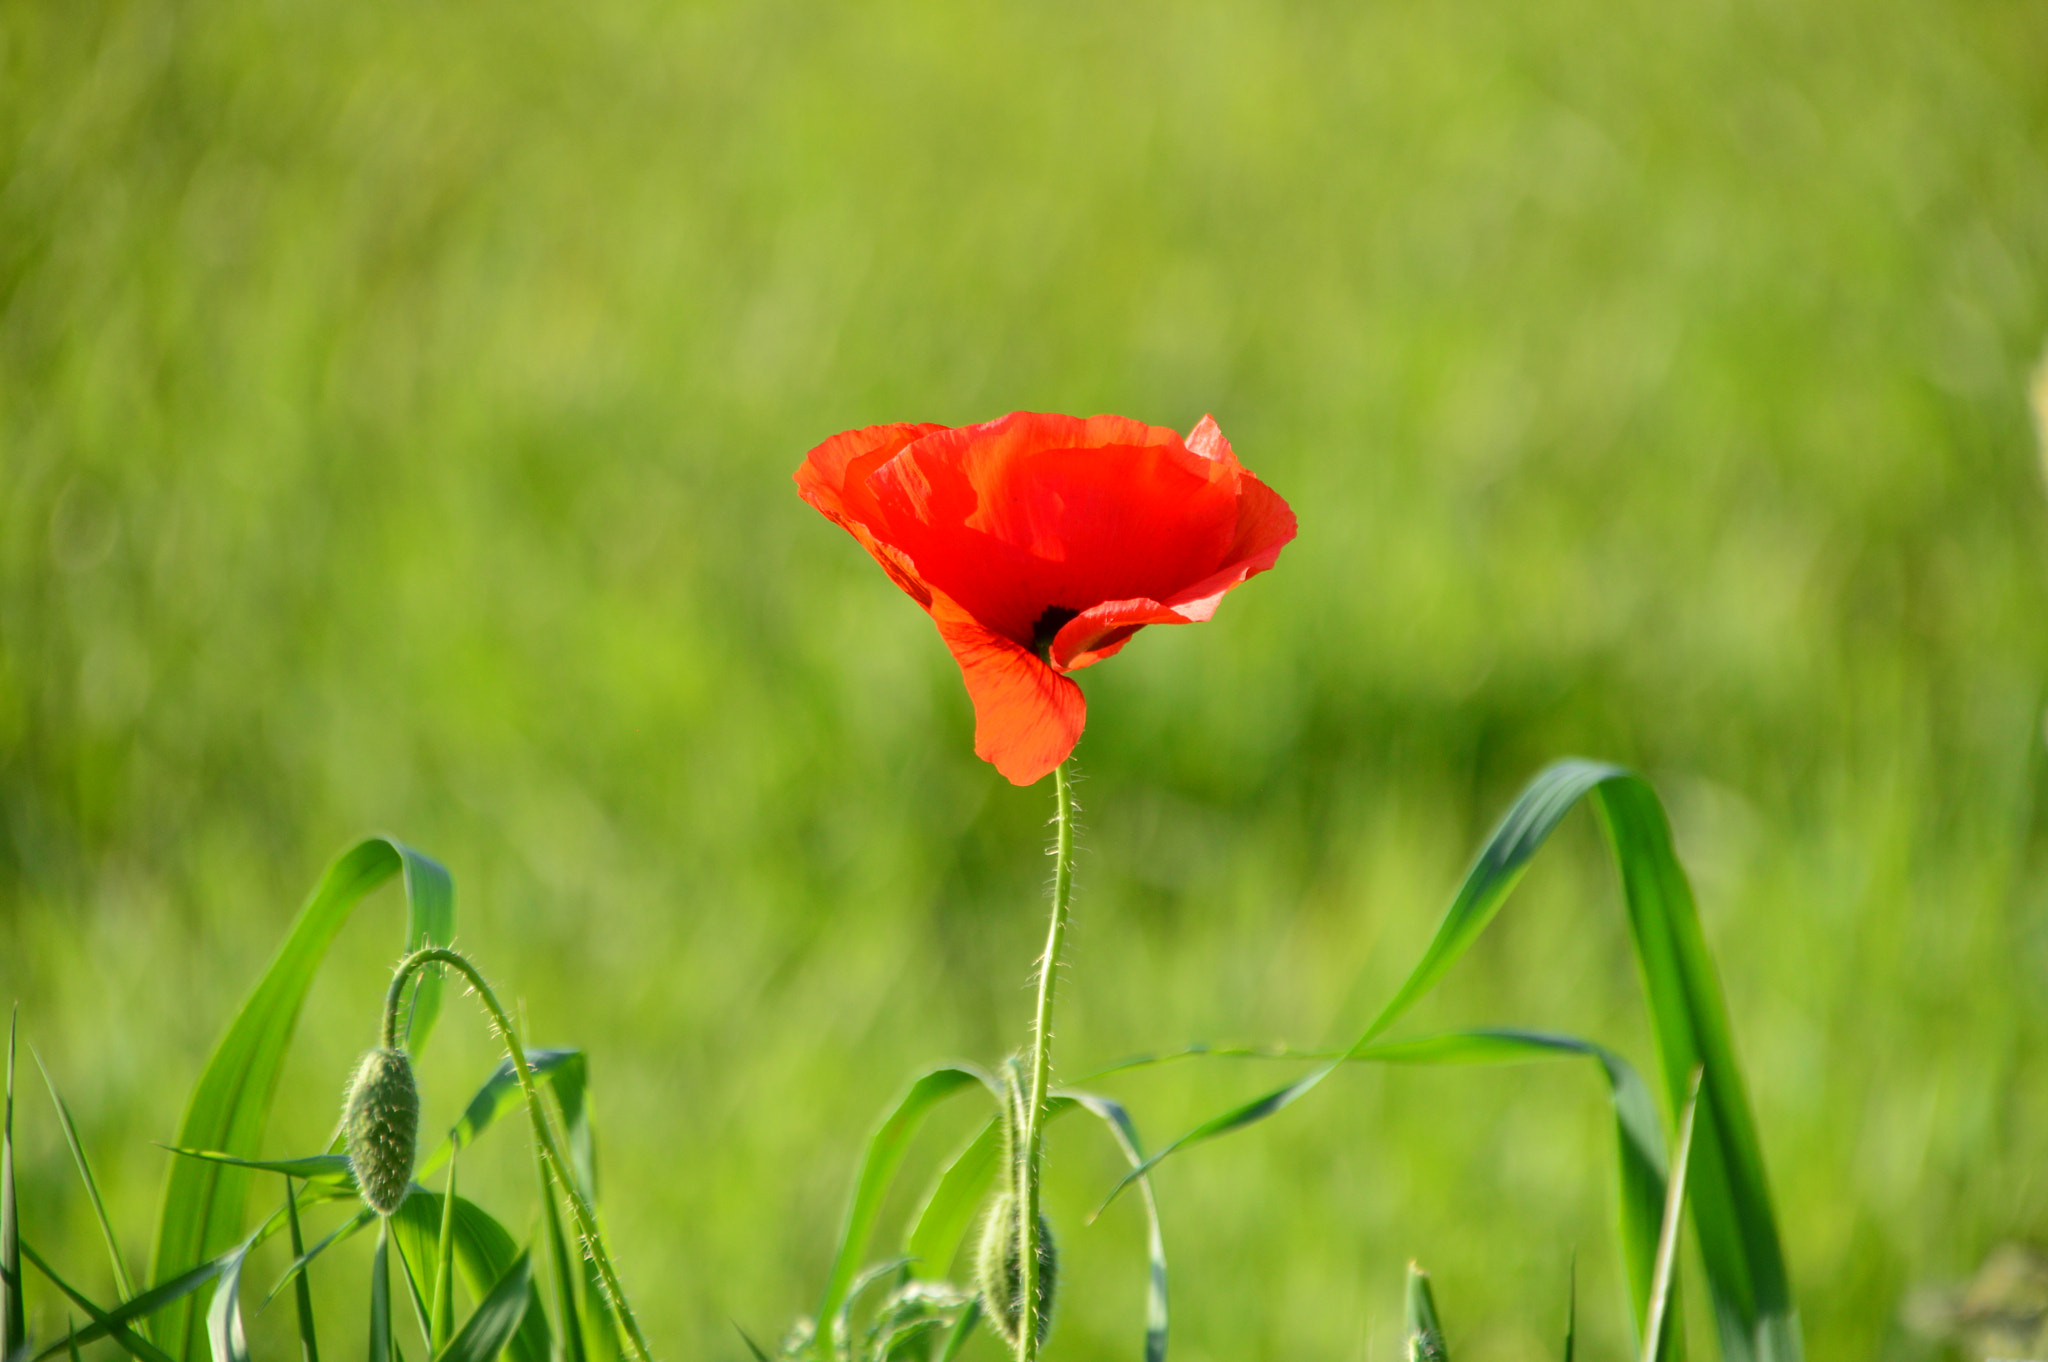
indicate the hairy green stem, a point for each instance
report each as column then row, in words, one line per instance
column 1041, row 1064
column 554, row 1165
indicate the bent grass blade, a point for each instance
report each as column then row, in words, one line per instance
column 1733, row 1217
column 885, row 1153
column 230, row 1105
column 1118, row 1120
column 496, row 1318
column 484, row 1252
column 105, row 1323
column 942, row 1222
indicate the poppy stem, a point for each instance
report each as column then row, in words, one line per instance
column 1041, row 1065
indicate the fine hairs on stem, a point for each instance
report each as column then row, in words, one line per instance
column 1041, row 1059
column 554, row 1166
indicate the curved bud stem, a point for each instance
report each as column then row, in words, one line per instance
column 555, row 1166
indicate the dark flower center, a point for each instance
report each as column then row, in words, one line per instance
column 1047, row 626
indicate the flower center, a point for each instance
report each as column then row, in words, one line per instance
column 1047, row 626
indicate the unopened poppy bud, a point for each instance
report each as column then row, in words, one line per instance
column 381, row 1120
column 998, row 1269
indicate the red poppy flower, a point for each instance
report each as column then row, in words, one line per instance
column 1039, row 544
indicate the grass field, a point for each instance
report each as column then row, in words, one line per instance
column 397, row 409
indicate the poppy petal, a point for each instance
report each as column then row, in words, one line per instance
column 834, row 478
column 1027, row 717
column 1206, row 439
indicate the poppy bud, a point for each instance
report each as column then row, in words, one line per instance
column 381, row 1120
column 998, row 1265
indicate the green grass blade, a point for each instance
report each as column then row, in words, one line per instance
column 115, row 1321
column 752, row 1347
column 886, row 1148
column 565, row 1266
column 122, row 1284
column 105, row 1323
column 1126, row 1134
column 71, row 1337
column 1733, row 1217
column 13, row 1314
column 562, row 1069
column 1425, row 1331
column 1571, row 1311
column 962, row 1327
column 496, row 1318
column 230, row 1105
column 1654, row 1327
column 312, row 1168
column 297, row 1270
column 230, row 1341
column 309, row 1342
column 1638, row 1136
column 600, row 1323
column 484, row 1252
column 443, row 1304
column 867, row 1278
column 947, row 1213
column 413, row 1269
column 380, row 1296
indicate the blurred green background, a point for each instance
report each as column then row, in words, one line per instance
column 397, row 409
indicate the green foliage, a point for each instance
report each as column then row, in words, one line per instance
column 433, row 1234
column 230, row 1106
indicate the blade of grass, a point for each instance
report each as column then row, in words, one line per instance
column 122, row 1285
column 853, row 1294
column 500, row 1095
column 444, row 1270
column 962, row 1327
column 484, row 1252
column 311, row 1168
column 413, row 1268
column 564, row 1264
column 752, row 1346
column 496, row 1318
column 105, row 1324
column 1667, row 1237
column 1120, row 1126
column 600, row 1324
column 1571, row 1310
column 886, row 1148
column 1638, row 1137
column 942, row 1221
column 297, row 1270
column 309, row 1342
column 13, row 1316
column 224, row 1316
column 1733, row 1216
column 1425, row 1331
column 230, row 1104
column 115, row 1321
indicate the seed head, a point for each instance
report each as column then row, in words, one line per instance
column 381, row 1119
